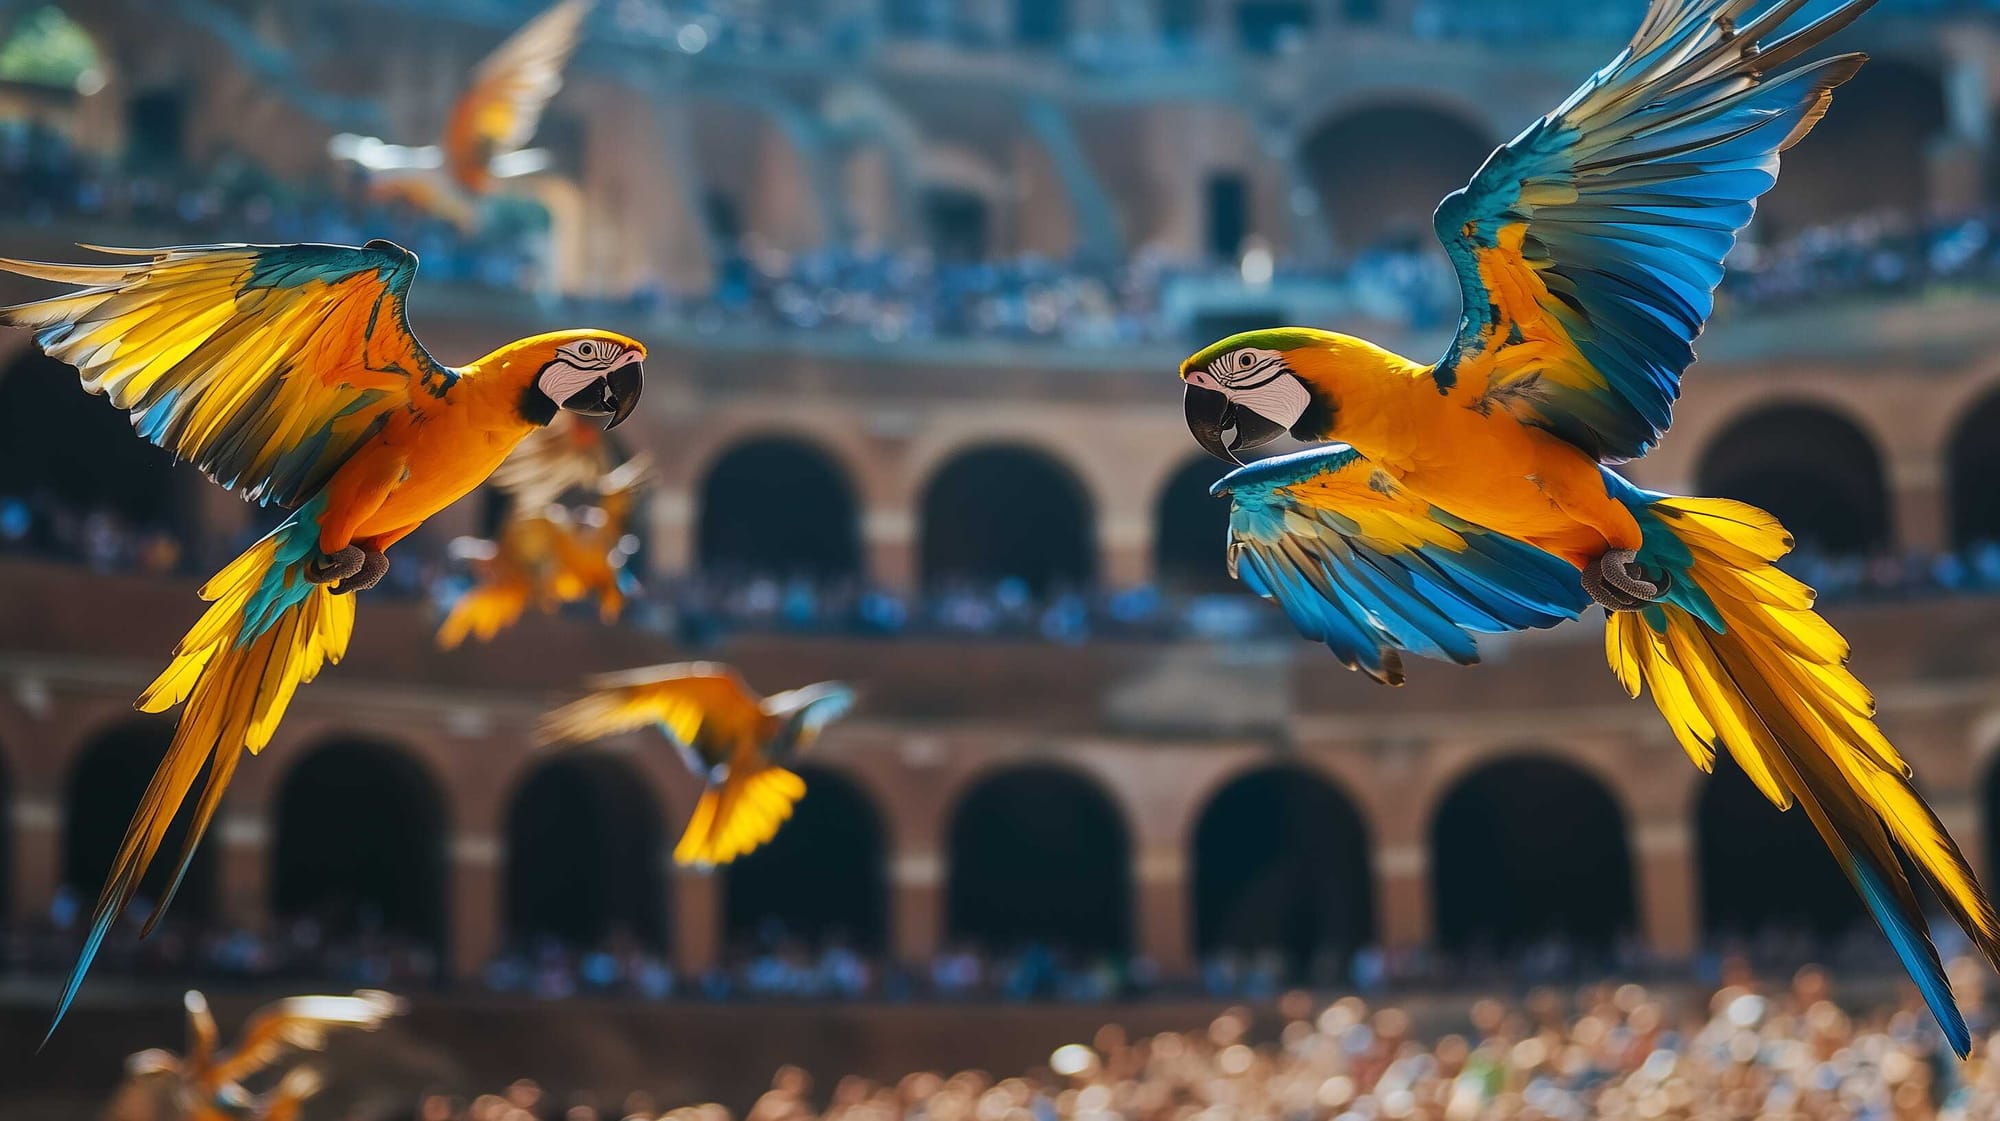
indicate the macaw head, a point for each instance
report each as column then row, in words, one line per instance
column 1249, row 389
column 589, row 373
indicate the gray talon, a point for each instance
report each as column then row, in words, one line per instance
column 336, row 566
column 374, row 565
column 1618, row 583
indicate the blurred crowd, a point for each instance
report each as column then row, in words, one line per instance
column 1749, row 1050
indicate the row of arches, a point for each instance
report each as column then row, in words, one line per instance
column 1526, row 848
column 999, row 511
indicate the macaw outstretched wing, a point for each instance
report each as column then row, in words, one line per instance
column 698, row 704
column 1369, row 569
column 805, row 713
column 1589, row 248
column 264, row 365
column 499, row 112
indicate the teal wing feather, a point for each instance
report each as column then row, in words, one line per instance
column 1362, row 565
column 1589, row 248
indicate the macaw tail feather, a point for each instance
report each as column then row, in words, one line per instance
column 266, row 631
column 1736, row 659
column 482, row 612
column 739, row 815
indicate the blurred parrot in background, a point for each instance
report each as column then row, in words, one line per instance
column 1476, row 495
column 735, row 740
column 487, row 132
column 208, row 1083
column 289, row 374
column 547, row 553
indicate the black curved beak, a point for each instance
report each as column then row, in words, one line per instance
column 1223, row 428
column 615, row 395
column 626, row 383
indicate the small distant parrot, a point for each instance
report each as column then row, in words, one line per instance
column 487, row 133
column 289, row 374
column 1476, row 495
column 548, row 554
column 735, row 740
column 208, row 1084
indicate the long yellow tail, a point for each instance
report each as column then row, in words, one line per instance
column 1737, row 659
column 739, row 815
column 266, row 631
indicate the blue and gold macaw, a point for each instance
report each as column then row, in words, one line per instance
column 1475, row 495
column 487, row 132
column 210, row 1082
column 289, row 374
column 548, row 554
column 735, row 740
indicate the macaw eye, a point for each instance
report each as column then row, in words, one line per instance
column 585, row 349
column 1244, row 360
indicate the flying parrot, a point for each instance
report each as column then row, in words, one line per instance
column 548, row 554
column 1475, row 494
column 736, row 741
column 208, row 1083
column 289, row 374
column 487, row 132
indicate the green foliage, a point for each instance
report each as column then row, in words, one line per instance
column 47, row 48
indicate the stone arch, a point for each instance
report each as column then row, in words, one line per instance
column 823, row 880
column 1380, row 169
column 1001, row 511
column 1814, row 469
column 585, row 855
column 1191, row 531
column 106, row 781
column 361, row 843
column 1281, row 862
column 1038, row 855
column 1528, row 847
column 819, row 532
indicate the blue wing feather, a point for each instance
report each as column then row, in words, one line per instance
column 1423, row 582
column 1628, row 199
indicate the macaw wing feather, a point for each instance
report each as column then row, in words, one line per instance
column 499, row 112
column 1362, row 565
column 265, row 366
column 698, row 705
column 1589, row 248
column 804, row 714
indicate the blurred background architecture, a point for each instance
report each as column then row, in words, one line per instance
column 915, row 275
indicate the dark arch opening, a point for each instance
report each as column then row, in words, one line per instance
column 1764, row 873
column 1529, row 849
column 819, row 533
column 1813, row 469
column 1039, row 856
column 361, row 845
column 6, row 843
column 1871, row 154
column 585, row 861
column 1973, row 466
column 105, row 785
column 822, row 880
column 998, row 513
column 1191, row 535
column 1381, row 170
column 956, row 224
column 71, row 454
column 1281, row 863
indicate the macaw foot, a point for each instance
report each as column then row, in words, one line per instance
column 336, row 566
column 1618, row 582
column 374, row 566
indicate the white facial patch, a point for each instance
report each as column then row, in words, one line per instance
column 1258, row 380
column 1282, row 400
column 560, row 381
